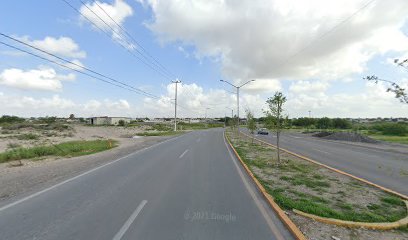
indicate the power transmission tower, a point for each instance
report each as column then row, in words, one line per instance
column 175, row 105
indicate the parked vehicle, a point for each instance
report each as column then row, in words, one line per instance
column 263, row 131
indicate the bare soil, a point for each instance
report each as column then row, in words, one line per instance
column 16, row 180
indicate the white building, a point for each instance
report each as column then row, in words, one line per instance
column 107, row 120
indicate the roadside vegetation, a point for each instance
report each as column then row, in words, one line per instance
column 67, row 149
column 297, row 184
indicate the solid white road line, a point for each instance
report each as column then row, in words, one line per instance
column 82, row 174
column 183, row 153
column 129, row 222
column 260, row 206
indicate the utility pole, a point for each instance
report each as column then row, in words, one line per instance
column 310, row 116
column 237, row 87
column 175, row 105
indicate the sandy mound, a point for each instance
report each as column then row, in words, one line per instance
column 345, row 136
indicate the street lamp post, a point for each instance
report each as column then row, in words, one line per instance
column 237, row 87
column 175, row 104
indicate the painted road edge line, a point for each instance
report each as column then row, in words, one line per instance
column 281, row 214
column 83, row 174
column 253, row 191
column 184, row 153
column 131, row 219
column 334, row 169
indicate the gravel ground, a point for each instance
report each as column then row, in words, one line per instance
column 33, row 176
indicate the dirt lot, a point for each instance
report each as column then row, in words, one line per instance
column 42, row 134
column 35, row 175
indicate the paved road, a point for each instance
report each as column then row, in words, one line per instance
column 186, row 188
column 386, row 168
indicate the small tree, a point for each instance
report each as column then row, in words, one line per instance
column 274, row 117
column 251, row 124
column 121, row 123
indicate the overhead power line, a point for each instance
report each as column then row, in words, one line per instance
column 77, row 65
column 135, row 41
column 85, row 71
column 141, row 58
column 312, row 42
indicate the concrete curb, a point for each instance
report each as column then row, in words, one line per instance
column 281, row 214
column 405, row 197
column 375, row 226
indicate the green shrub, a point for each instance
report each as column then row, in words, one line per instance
column 27, row 136
column 395, row 129
column 10, row 119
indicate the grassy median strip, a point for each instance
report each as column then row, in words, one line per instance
column 67, row 149
column 296, row 184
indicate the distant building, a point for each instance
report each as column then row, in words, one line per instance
column 107, row 120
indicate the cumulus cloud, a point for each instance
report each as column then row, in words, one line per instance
column 62, row 46
column 119, row 10
column 45, row 79
column 57, row 106
column 372, row 101
column 308, row 87
column 267, row 39
column 194, row 101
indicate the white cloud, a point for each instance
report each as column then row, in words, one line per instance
column 308, row 87
column 193, row 101
column 45, row 79
column 371, row 101
column 57, row 106
column 263, row 86
column 118, row 11
column 253, row 38
column 62, row 46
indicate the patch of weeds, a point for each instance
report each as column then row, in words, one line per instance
column 318, row 177
column 71, row 149
column 308, row 182
column 392, row 200
column 372, row 206
column 342, row 193
column 13, row 145
column 27, row 136
column 345, row 206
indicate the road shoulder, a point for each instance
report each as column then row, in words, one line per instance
column 36, row 175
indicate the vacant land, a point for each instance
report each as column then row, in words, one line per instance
column 66, row 149
column 297, row 184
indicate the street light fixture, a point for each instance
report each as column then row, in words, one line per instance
column 237, row 87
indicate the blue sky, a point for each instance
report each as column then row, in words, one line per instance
column 247, row 41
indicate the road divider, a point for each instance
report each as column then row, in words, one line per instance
column 281, row 214
column 403, row 196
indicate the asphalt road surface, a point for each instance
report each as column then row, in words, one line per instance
column 188, row 187
column 386, row 168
